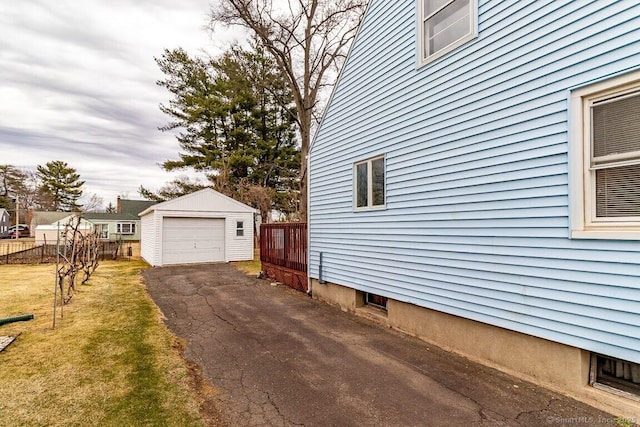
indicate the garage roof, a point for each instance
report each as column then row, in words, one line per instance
column 206, row 199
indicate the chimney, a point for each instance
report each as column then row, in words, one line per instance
column 118, row 205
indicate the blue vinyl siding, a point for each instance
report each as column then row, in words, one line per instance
column 476, row 222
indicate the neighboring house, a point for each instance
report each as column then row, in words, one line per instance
column 45, row 218
column 122, row 225
column 204, row 226
column 4, row 221
column 115, row 226
column 49, row 233
column 477, row 172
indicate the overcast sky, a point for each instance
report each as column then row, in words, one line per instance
column 77, row 84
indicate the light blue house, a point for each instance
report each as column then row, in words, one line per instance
column 475, row 181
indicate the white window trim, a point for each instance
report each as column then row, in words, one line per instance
column 370, row 206
column 421, row 61
column 583, row 224
column 101, row 230
column 132, row 226
column 244, row 235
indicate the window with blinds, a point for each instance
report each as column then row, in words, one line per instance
column 604, row 159
column 615, row 158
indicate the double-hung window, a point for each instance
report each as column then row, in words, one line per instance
column 605, row 149
column 239, row 228
column 369, row 183
column 443, row 25
column 102, row 230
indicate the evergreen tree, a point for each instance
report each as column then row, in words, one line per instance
column 60, row 186
column 236, row 122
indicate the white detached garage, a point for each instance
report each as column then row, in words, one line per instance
column 205, row 226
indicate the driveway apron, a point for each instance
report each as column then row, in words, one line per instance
column 277, row 357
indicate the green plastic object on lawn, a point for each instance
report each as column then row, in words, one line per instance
column 20, row 318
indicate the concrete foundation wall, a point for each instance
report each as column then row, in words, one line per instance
column 555, row 366
column 335, row 295
column 135, row 249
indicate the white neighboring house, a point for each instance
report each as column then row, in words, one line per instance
column 48, row 233
column 204, row 226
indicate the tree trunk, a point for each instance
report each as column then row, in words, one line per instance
column 305, row 139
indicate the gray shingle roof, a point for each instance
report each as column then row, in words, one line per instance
column 134, row 207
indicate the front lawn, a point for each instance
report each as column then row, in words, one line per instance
column 109, row 362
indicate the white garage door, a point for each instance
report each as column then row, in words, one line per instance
column 192, row 240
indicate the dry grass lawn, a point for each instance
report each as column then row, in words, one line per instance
column 109, row 362
column 13, row 245
column 252, row 267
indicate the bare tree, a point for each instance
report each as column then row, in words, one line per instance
column 19, row 185
column 94, row 203
column 78, row 251
column 29, row 196
column 307, row 39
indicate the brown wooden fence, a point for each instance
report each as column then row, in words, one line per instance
column 283, row 253
column 31, row 253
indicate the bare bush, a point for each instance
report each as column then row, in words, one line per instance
column 78, row 252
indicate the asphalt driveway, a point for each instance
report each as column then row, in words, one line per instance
column 277, row 357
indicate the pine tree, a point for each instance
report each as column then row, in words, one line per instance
column 236, row 121
column 60, row 186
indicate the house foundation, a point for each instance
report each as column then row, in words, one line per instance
column 555, row 366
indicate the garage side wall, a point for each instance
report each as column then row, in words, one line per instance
column 149, row 238
column 239, row 248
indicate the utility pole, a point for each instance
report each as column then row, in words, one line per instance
column 17, row 217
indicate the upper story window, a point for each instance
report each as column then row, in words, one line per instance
column 605, row 158
column 126, row 228
column 444, row 25
column 102, row 230
column 369, row 183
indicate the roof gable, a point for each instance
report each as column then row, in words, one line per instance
column 356, row 40
column 207, row 200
